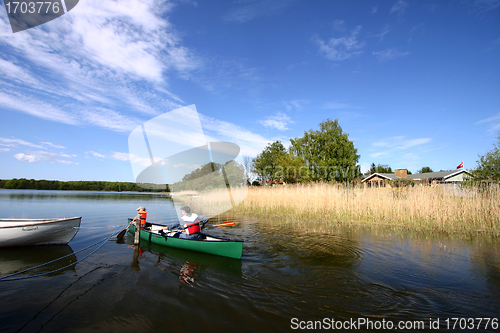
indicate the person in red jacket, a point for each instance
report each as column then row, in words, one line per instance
column 191, row 224
column 142, row 215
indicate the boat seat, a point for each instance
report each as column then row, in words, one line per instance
column 155, row 228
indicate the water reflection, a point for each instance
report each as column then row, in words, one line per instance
column 138, row 254
column 17, row 259
column 487, row 263
column 193, row 263
column 352, row 273
column 186, row 273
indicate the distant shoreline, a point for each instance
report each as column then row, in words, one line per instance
column 81, row 185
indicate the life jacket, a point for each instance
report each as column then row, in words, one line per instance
column 192, row 225
column 144, row 215
column 192, row 228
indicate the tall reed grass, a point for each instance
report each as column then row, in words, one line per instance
column 469, row 211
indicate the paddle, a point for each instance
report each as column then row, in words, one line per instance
column 224, row 224
column 124, row 231
column 203, row 223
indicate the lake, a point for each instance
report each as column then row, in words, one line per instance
column 287, row 280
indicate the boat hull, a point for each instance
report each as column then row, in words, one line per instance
column 211, row 245
column 28, row 232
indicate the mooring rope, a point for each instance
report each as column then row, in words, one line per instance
column 103, row 241
column 114, row 226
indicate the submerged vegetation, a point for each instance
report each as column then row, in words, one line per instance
column 453, row 210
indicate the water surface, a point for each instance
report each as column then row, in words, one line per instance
column 287, row 278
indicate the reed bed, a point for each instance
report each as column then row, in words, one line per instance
column 469, row 211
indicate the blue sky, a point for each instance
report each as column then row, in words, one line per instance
column 413, row 83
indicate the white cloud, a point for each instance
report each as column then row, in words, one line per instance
column 15, row 142
column 257, row 9
column 131, row 158
column 219, row 75
column 35, row 107
column 278, row 121
column 109, row 119
column 3, row 150
column 53, row 145
column 101, row 61
column 397, row 144
column 128, row 37
column 417, row 28
column 492, row 122
column 96, row 116
column 250, row 143
column 43, row 156
column 95, row 154
column 296, row 104
column 399, row 7
column 383, row 33
column 185, row 166
column 414, row 142
column 380, row 154
column 16, row 73
column 486, row 5
column 26, row 158
column 389, row 54
column 339, row 25
column 342, row 48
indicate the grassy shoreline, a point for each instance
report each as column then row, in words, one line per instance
column 466, row 212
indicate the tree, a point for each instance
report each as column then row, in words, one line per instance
column 266, row 164
column 203, row 171
column 210, row 176
column 327, row 153
column 234, row 173
column 247, row 164
column 384, row 168
column 381, row 168
column 425, row 170
column 372, row 170
column 488, row 165
column 291, row 169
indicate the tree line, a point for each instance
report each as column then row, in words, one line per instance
column 327, row 154
column 212, row 176
column 385, row 168
column 320, row 155
column 82, row 185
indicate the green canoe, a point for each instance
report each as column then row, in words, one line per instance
column 210, row 244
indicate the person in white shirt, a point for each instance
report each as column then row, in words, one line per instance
column 191, row 224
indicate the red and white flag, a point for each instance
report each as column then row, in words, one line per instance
column 461, row 165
